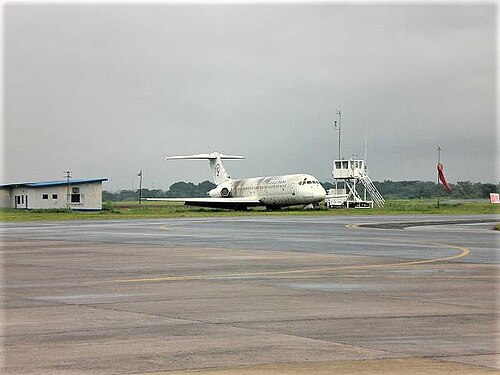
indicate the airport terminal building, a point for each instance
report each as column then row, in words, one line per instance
column 76, row 194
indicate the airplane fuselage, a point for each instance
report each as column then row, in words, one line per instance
column 273, row 191
column 287, row 190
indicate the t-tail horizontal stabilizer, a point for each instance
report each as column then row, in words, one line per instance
column 218, row 171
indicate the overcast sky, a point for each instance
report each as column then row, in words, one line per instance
column 105, row 90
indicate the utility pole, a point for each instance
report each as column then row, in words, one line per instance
column 140, row 186
column 439, row 148
column 67, row 174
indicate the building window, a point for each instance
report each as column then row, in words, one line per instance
column 45, row 196
column 75, row 198
column 76, row 190
column 54, row 196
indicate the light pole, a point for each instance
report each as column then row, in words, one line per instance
column 140, row 186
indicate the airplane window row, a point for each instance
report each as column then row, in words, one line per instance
column 260, row 187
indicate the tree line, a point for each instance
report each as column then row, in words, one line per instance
column 177, row 190
column 421, row 189
column 388, row 189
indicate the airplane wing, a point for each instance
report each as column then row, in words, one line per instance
column 230, row 203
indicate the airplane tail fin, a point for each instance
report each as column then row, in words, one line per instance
column 219, row 173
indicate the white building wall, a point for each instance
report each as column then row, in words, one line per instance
column 90, row 196
column 55, row 197
column 5, row 197
column 22, row 192
column 32, row 198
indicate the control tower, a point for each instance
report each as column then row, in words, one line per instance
column 351, row 174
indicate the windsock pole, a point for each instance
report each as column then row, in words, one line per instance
column 439, row 148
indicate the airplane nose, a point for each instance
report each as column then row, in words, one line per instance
column 320, row 193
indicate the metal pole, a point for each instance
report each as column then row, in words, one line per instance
column 68, row 176
column 439, row 161
column 339, row 129
column 140, row 186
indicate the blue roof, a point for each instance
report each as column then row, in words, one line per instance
column 74, row 181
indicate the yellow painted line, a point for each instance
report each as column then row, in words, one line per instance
column 464, row 252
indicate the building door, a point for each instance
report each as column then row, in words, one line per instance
column 21, row 201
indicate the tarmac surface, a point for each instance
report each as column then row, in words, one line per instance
column 252, row 295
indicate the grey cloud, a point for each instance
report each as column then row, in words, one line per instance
column 108, row 89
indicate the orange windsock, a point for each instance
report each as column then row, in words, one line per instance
column 441, row 176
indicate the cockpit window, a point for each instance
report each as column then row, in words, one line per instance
column 309, row 182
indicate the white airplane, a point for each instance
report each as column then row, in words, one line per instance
column 272, row 192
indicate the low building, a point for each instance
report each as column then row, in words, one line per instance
column 76, row 194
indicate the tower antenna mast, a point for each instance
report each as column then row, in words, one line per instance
column 338, row 126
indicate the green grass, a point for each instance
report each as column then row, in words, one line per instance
column 132, row 210
column 427, row 206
